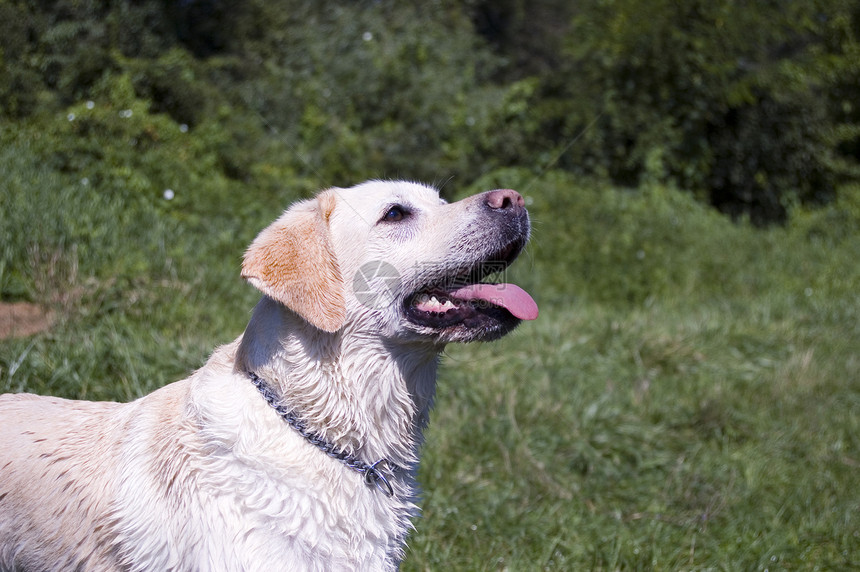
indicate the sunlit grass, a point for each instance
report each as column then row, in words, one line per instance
column 662, row 438
column 693, row 407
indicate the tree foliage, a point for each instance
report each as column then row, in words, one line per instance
column 752, row 107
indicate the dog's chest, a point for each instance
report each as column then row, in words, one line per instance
column 333, row 527
column 251, row 496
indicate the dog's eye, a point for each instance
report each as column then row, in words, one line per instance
column 395, row 213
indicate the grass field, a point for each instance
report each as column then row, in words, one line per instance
column 688, row 400
column 667, row 437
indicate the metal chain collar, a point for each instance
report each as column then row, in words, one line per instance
column 373, row 476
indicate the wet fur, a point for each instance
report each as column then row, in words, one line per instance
column 202, row 474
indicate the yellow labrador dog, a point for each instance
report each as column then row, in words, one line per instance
column 295, row 447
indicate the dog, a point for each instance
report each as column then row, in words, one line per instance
column 294, row 447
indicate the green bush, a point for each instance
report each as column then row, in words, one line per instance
column 397, row 91
column 750, row 106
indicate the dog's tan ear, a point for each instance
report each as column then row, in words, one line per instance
column 292, row 261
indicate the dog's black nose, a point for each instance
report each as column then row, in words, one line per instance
column 504, row 199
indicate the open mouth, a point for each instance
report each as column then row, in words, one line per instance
column 464, row 300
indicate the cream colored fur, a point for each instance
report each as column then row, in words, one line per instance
column 203, row 474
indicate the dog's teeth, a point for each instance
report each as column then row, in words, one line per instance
column 431, row 303
column 442, row 306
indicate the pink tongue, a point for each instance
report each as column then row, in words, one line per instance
column 509, row 296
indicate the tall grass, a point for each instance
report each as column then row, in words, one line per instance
column 689, row 398
column 666, row 437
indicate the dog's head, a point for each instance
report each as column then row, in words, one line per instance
column 395, row 259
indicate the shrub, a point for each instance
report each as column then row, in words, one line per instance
column 750, row 106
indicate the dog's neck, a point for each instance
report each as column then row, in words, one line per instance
column 357, row 391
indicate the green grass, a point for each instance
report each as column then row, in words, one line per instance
column 689, row 398
column 666, row 438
